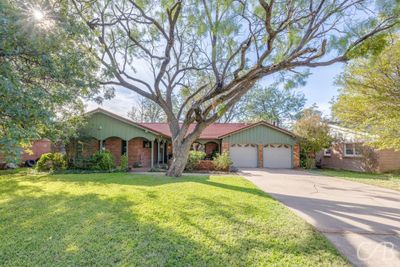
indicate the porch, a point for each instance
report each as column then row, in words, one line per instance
column 211, row 147
column 142, row 153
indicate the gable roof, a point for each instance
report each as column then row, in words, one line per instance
column 128, row 121
column 264, row 123
column 213, row 131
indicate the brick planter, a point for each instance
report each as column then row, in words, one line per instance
column 205, row 165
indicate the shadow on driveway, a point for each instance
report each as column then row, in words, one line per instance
column 362, row 221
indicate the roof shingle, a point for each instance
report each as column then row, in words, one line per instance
column 213, row 131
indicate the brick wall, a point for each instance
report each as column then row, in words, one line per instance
column 225, row 147
column 137, row 153
column 210, row 148
column 114, row 145
column 337, row 160
column 38, row 148
column 296, row 156
column 205, row 165
column 260, row 162
column 90, row 147
column 388, row 160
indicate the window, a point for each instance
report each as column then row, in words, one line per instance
column 123, row 147
column 357, row 149
column 352, row 150
column 146, row 144
column 327, row 152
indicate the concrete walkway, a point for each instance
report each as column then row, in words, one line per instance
column 362, row 221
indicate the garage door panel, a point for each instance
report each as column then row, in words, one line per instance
column 278, row 157
column 244, row 156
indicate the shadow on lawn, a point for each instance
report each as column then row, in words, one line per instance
column 143, row 180
column 85, row 230
column 40, row 228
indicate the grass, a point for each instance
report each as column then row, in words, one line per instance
column 387, row 180
column 125, row 219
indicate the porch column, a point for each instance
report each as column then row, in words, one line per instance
column 158, row 151
column 152, row 153
column 127, row 148
column 163, row 154
column 166, row 150
column 101, row 145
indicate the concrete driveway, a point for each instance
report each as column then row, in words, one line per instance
column 362, row 221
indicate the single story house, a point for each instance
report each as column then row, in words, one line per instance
column 260, row 144
column 348, row 152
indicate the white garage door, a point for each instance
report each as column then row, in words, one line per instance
column 244, row 155
column 277, row 156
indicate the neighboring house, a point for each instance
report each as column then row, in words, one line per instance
column 349, row 153
column 146, row 144
column 38, row 148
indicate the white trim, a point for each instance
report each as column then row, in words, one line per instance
column 353, row 155
column 326, row 154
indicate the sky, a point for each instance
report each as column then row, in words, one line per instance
column 319, row 89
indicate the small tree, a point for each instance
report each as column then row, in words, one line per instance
column 313, row 133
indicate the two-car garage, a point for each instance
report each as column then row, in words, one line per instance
column 273, row 156
column 262, row 145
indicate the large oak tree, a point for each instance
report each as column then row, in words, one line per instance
column 205, row 55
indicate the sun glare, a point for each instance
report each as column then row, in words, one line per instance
column 37, row 14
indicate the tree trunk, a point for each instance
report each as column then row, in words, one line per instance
column 180, row 151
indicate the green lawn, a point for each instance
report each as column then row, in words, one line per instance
column 126, row 219
column 388, row 180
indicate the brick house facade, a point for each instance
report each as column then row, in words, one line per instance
column 149, row 144
column 348, row 152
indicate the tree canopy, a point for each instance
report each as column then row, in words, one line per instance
column 369, row 100
column 269, row 103
column 274, row 104
column 41, row 81
column 205, row 55
column 146, row 110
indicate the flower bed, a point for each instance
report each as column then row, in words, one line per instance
column 205, row 165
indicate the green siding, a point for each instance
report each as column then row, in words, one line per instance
column 101, row 126
column 260, row 134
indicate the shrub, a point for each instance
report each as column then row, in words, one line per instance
column 309, row 163
column 193, row 159
column 51, row 162
column 82, row 163
column 222, row 162
column 369, row 159
column 104, row 160
column 124, row 162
